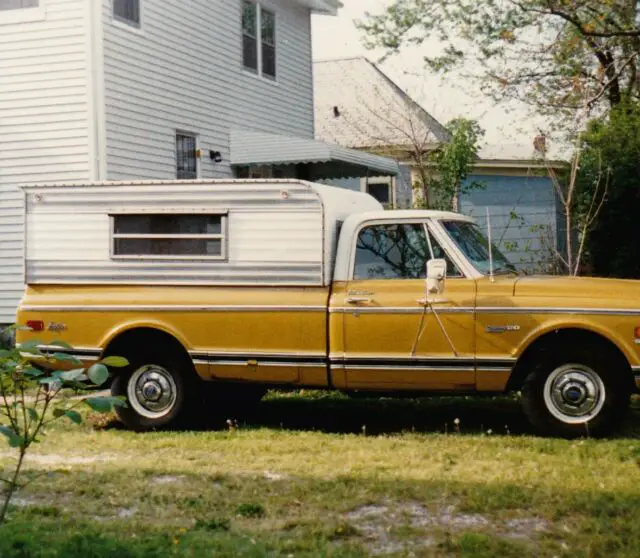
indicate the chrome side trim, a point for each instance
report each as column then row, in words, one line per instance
column 173, row 308
column 249, row 355
column 558, row 310
column 73, row 350
column 398, row 367
column 243, row 363
column 486, row 310
column 343, row 358
column 334, row 310
column 398, row 310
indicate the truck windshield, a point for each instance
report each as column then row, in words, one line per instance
column 473, row 244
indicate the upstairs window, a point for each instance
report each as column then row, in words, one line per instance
column 250, row 36
column 18, row 4
column 169, row 236
column 186, row 159
column 127, row 11
column 268, row 42
column 259, row 39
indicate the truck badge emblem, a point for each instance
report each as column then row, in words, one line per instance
column 502, row 329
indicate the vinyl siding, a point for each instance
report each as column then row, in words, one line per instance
column 523, row 214
column 183, row 71
column 44, row 119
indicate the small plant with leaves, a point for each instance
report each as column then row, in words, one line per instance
column 251, row 510
column 36, row 389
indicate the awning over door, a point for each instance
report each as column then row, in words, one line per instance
column 324, row 159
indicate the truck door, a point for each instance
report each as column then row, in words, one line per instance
column 388, row 338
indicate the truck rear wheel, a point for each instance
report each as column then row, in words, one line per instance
column 576, row 391
column 155, row 388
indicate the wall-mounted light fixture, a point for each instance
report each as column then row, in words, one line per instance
column 215, row 156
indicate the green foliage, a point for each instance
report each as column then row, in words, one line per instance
column 612, row 146
column 215, row 524
column 550, row 53
column 33, row 394
column 444, row 176
column 454, row 162
column 251, row 510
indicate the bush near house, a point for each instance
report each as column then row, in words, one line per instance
column 7, row 338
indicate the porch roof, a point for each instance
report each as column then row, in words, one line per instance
column 332, row 161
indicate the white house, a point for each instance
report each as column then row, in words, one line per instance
column 155, row 89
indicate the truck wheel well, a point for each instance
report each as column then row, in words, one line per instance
column 127, row 341
column 558, row 338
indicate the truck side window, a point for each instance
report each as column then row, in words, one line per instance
column 397, row 251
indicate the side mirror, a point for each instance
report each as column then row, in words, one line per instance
column 436, row 275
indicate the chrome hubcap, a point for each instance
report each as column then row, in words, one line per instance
column 152, row 391
column 574, row 393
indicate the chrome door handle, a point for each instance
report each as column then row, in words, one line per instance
column 357, row 299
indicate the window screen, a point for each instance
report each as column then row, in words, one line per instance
column 250, row 36
column 381, row 191
column 268, row 38
column 169, row 236
column 186, row 163
column 127, row 11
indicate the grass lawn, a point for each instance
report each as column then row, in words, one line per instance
column 322, row 475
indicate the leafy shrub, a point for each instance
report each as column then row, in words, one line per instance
column 215, row 524
column 33, row 389
column 251, row 510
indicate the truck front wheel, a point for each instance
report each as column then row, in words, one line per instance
column 154, row 387
column 579, row 393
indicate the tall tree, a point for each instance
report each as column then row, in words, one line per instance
column 552, row 54
column 612, row 145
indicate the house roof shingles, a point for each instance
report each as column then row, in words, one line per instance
column 356, row 105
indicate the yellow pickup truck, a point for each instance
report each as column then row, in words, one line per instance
column 221, row 289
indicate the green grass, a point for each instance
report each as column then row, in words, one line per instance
column 321, row 475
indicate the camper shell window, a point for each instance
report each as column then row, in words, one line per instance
column 169, row 236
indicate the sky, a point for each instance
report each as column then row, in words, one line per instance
column 444, row 97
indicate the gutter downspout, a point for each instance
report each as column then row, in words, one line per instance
column 96, row 85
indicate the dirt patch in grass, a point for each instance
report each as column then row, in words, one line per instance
column 54, row 460
column 166, row 479
column 384, row 525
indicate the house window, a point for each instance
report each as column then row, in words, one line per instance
column 259, row 39
column 268, row 42
column 250, row 36
column 18, row 4
column 381, row 190
column 169, row 236
column 127, row 11
column 186, row 159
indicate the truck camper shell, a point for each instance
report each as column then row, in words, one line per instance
column 196, row 232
